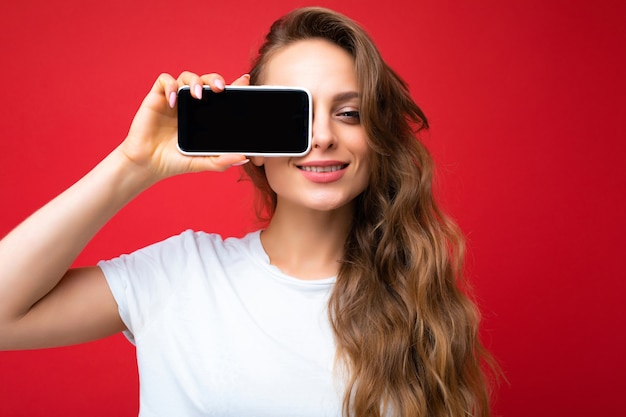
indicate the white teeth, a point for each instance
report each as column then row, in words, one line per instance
column 331, row 168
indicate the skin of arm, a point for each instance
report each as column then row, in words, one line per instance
column 44, row 303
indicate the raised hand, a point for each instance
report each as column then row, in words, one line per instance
column 151, row 141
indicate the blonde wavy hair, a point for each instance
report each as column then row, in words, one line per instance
column 405, row 328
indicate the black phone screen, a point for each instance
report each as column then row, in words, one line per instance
column 247, row 120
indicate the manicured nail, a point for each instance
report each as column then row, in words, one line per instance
column 240, row 163
column 219, row 84
column 198, row 91
column 172, row 99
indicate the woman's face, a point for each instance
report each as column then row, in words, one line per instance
column 337, row 168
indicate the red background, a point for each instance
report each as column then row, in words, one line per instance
column 526, row 101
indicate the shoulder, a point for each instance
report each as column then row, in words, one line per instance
column 183, row 251
column 206, row 243
column 189, row 242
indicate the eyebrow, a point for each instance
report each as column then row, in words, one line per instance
column 348, row 95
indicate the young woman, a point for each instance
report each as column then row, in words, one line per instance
column 347, row 303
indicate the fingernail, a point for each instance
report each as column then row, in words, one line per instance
column 219, row 84
column 198, row 91
column 240, row 163
column 172, row 99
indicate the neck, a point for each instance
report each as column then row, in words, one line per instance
column 307, row 244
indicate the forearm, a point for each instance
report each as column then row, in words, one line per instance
column 37, row 254
column 36, row 301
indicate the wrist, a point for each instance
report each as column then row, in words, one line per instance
column 126, row 177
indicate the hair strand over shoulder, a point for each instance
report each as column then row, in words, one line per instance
column 406, row 329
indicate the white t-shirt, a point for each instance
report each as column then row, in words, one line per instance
column 221, row 332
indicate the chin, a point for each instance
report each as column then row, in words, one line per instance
column 329, row 204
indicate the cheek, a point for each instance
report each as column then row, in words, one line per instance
column 364, row 176
column 364, row 153
column 356, row 140
column 276, row 177
column 361, row 149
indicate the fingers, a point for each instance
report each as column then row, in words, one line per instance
column 243, row 80
column 196, row 82
column 167, row 86
column 216, row 163
column 215, row 81
column 230, row 160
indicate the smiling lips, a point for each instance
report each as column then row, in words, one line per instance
column 323, row 171
column 330, row 168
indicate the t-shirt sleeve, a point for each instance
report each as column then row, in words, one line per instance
column 143, row 282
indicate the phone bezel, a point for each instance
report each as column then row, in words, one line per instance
column 256, row 88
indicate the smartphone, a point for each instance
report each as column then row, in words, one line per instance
column 250, row 120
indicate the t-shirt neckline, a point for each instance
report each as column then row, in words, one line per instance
column 259, row 253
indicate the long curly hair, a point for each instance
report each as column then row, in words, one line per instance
column 405, row 329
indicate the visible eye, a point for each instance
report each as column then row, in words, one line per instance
column 350, row 116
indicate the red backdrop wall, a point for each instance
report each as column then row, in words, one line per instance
column 526, row 101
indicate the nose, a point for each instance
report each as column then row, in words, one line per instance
column 323, row 137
